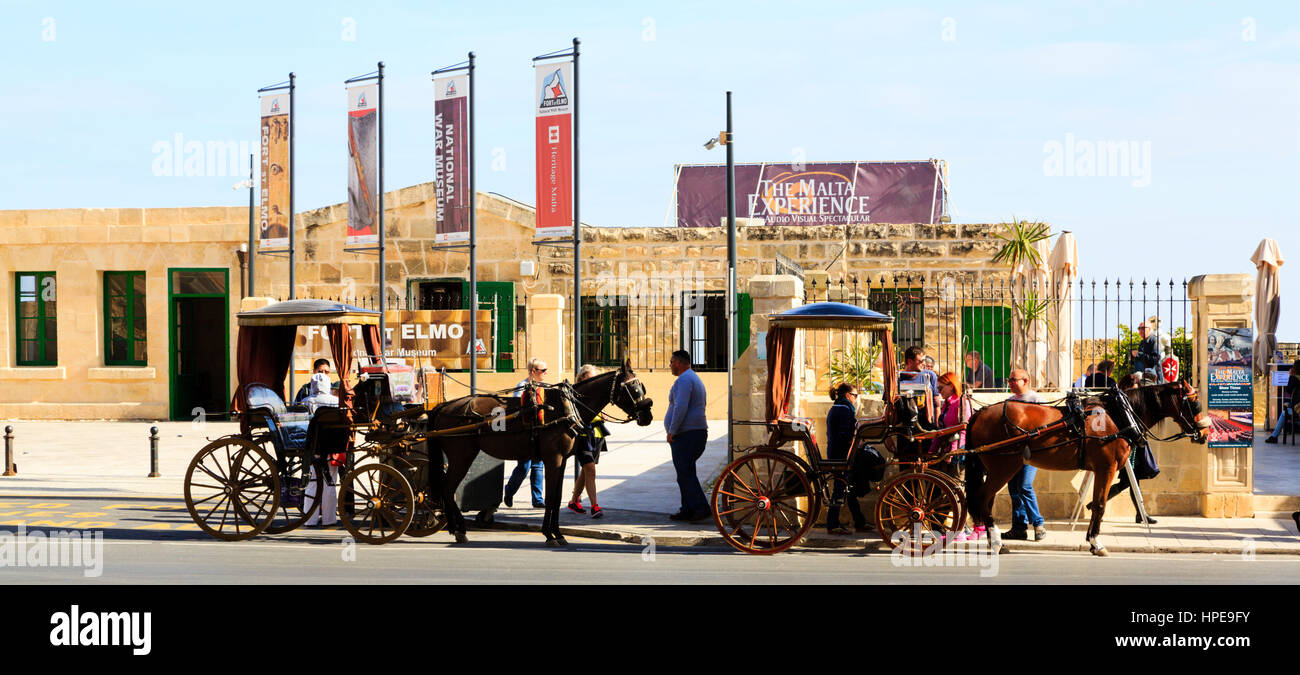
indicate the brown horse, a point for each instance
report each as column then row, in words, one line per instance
column 1050, row 436
column 510, row 438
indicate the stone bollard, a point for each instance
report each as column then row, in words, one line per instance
column 153, row 453
column 11, row 469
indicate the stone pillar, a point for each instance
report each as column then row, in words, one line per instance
column 771, row 293
column 1222, row 301
column 546, row 339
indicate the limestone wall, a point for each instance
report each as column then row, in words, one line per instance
column 79, row 245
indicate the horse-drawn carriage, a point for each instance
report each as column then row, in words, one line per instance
column 769, row 497
column 272, row 476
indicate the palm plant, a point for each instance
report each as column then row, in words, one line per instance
column 856, row 364
column 1018, row 243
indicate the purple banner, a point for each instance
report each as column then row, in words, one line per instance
column 451, row 158
column 812, row 194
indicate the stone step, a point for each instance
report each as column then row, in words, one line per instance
column 1276, row 506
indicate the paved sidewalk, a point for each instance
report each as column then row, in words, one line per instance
column 636, row 483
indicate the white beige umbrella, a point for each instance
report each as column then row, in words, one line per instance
column 1064, row 263
column 1268, row 303
column 1032, row 289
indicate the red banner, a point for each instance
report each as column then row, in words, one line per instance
column 554, row 157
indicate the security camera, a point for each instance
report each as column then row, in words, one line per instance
column 711, row 144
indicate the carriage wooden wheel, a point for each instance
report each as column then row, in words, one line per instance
column 764, row 503
column 231, row 489
column 922, row 506
column 375, row 503
column 299, row 497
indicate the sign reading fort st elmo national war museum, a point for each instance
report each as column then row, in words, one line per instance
column 828, row 193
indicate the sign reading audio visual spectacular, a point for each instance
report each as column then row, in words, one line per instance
column 1229, row 398
column 813, row 194
column 451, row 158
column 554, row 119
column 363, row 164
column 273, row 212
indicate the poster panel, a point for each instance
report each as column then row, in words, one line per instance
column 451, row 158
column 1229, row 395
column 273, row 209
column 363, row 164
column 554, row 142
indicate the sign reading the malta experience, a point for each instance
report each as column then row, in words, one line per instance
column 363, row 164
column 1229, row 399
column 813, row 194
column 451, row 158
column 554, row 158
column 273, row 213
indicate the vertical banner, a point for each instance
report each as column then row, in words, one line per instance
column 363, row 164
column 1230, row 398
column 273, row 212
column 554, row 110
column 451, row 158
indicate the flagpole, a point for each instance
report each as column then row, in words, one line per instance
column 577, row 231
column 473, row 233
column 383, row 276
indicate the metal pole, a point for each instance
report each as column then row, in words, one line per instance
column 731, row 281
column 10, row 468
column 577, row 230
column 383, row 275
column 252, row 241
column 473, row 254
column 293, row 176
column 153, row 453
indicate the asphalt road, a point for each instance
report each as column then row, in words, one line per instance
column 154, row 541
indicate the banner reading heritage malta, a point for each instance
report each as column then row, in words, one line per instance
column 554, row 148
column 363, row 163
column 451, row 158
column 1229, row 399
column 273, row 212
column 814, row 194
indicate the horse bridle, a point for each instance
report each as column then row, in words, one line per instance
column 631, row 386
column 1186, row 415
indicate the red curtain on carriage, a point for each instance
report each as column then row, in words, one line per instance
column 341, row 349
column 780, row 372
column 262, row 356
column 890, row 365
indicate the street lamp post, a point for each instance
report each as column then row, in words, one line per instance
column 727, row 138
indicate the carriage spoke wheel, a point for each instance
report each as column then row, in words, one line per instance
column 300, row 496
column 232, row 489
column 763, row 503
column 921, row 507
column 429, row 517
column 381, row 500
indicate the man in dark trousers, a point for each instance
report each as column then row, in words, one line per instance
column 688, row 432
column 1147, row 357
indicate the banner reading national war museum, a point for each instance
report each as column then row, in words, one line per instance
column 813, row 194
column 363, row 164
column 273, row 211
column 554, row 119
column 451, row 158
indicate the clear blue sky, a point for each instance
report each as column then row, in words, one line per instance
column 1214, row 88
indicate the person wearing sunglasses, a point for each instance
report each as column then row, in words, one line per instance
column 1024, row 503
column 841, row 424
column 536, row 375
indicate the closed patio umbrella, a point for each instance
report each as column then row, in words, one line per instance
column 1064, row 263
column 1268, row 303
column 1034, row 281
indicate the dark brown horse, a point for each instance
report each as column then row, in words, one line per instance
column 550, row 440
column 1109, row 426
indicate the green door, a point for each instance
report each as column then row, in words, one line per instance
column 744, row 309
column 498, row 296
column 198, row 312
column 987, row 330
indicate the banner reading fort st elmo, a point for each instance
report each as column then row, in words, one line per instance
column 830, row 193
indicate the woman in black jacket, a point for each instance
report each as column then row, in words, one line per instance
column 841, row 425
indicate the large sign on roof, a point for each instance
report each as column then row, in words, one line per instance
column 832, row 193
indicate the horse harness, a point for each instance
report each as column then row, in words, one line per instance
column 1072, row 420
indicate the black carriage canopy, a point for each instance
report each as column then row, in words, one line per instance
column 825, row 316
column 266, row 341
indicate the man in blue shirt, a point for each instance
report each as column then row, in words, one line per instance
column 687, row 434
column 913, row 370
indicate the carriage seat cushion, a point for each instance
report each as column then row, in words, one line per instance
column 291, row 424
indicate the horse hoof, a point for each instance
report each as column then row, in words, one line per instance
column 1099, row 552
column 561, row 541
column 461, row 539
column 552, row 543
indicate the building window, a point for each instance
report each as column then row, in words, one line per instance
column 37, row 329
column 604, row 330
column 704, row 329
column 124, row 319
